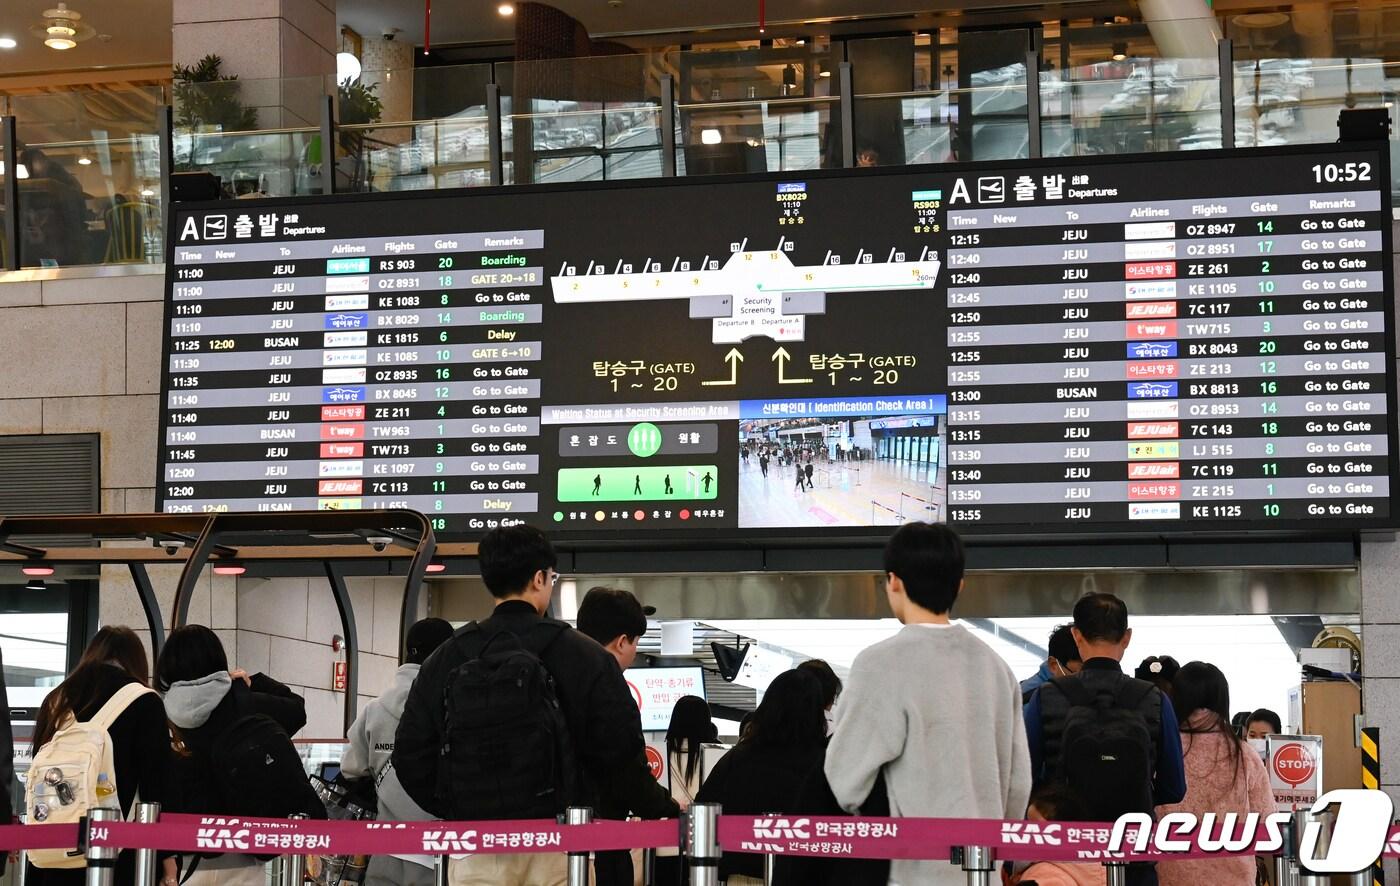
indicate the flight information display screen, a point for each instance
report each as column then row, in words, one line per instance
column 1165, row 343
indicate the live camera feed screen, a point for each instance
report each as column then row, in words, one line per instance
column 1193, row 341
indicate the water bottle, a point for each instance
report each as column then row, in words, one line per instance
column 105, row 791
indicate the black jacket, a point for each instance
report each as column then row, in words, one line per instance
column 605, row 727
column 7, row 760
column 142, row 757
column 818, row 800
column 754, row 779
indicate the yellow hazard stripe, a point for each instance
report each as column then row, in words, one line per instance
column 1368, row 746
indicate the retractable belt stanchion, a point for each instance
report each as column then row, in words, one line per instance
column 101, row 860
column 22, row 860
column 770, row 861
column 293, row 871
column 1116, row 873
column 146, row 813
column 578, row 861
column 440, row 869
column 702, row 843
column 979, row 864
column 1285, row 868
column 1301, row 820
column 648, row 867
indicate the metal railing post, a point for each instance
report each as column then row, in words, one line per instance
column 10, row 202
column 979, row 865
column 146, row 813
column 668, row 126
column 495, row 151
column 648, row 867
column 702, row 843
column 22, row 859
column 1226, row 54
column 1301, row 821
column 578, row 861
column 1033, row 134
column 328, row 144
column 101, row 860
column 293, row 871
column 770, row 862
column 1116, row 873
column 440, row 869
column 846, row 85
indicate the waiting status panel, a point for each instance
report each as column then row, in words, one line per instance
column 1163, row 343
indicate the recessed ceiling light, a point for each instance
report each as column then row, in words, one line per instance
column 710, row 137
column 84, row 161
column 8, row 43
column 145, row 192
column 506, row 9
column 230, row 569
column 40, row 571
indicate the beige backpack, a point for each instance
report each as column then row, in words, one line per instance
column 62, row 782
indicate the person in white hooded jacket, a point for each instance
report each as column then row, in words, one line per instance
column 371, row 748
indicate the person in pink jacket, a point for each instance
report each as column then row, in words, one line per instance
column 1223, row 775
column 1056, row 803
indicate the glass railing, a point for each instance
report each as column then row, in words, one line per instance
column 88, row 165
column 1130, row 106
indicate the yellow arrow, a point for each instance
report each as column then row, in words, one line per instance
column 733, row 357
column 781, row 357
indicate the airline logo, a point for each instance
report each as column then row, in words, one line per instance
column 343, row 432
column 1153, row 390
column 1154, row 470
column 1151, row 250
column 358, row 302
column 1154, row 409
column 342, row 395
column 342, row 450
column 1155, row 451
column 358, row 357
column 1162, row 510
column 1151, row 309
column 1163, row 289
column 1149, row 230
column 1152, row 430
column 1140, row 491
column 1158, row 369
column 340, row 487
column 1151, row 350
column 1147, row 329
column 339, row 504
column 346, row 339
column 1153, row 270
column 347, row 321
column 342, row 468
column 350, row 376
column 343, row 413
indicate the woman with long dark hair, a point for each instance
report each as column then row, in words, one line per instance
column 1221, row 775
column 691, row 728
column 141, row 753
column 782, row 746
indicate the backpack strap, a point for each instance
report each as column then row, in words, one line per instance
column 1133, row 693
column 1075, row 692
column 119, row 702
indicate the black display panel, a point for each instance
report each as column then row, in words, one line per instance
column 1163, row 343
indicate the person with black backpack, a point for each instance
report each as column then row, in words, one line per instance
column 1107, row 737
column 516, row 717
column 235, row 754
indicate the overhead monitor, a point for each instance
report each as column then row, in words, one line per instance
column 1166, row 343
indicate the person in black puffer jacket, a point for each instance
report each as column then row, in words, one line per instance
column 203, row 699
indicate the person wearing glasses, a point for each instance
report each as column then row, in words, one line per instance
column 516, row 717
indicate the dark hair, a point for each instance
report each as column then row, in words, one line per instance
column 113, row 646
column 192, row 652
column 608, row 613
column 1201, row 686
column 1062, row 646
column 1267, row 716
column 1101, row 617
column 1160, row 670
column 511, row 555
column 1056, row 801
column 830, row 683
column 690, row 727
column 791, row 714
column 929, row 559
column 424, row 637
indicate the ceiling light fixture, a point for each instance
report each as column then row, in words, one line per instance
column 1120, row 52
column 8, row 43
column 710, row 137
column 37, row 570
column 229, row 569
column 84, row 161
column 506, row 9
column 436, row 566
column 145, row 192
column 21, row 171
column 62, row 28
column 36, row 584
column 347, row 68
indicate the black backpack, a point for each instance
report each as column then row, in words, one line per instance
column 506, row 752
column 255, row 770
column 1106, row 748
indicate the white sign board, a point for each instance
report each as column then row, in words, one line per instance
column 1295, row 770
column 656, row 691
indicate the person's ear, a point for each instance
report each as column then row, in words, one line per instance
column 1127, row 637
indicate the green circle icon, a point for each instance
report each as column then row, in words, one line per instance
column 644, row 440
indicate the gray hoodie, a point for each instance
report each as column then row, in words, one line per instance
column 189, row 703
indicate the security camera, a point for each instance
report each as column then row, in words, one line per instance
column 379, row 542
column 390, row 33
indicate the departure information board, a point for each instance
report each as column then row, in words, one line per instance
column 1163, row 343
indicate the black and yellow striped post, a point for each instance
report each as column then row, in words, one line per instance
column 1371, row 780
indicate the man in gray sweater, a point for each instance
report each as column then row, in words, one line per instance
column 933, row 707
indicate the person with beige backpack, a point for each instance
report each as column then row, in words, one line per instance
column 100, row 739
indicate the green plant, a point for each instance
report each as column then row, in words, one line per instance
column 358, row 105
column 208, row 99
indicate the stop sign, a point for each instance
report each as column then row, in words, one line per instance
column 1293, row 764
column 654, row 762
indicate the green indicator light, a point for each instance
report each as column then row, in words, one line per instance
column 661, row 483
column 558, row 516
column 644, row 440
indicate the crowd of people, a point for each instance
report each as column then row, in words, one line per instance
column 520, row 715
